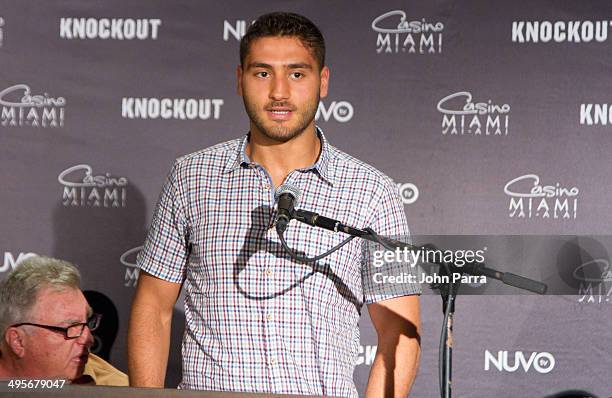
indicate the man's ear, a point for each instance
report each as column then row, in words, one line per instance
column 15, row 340
column 239, row 80
column 324, row 82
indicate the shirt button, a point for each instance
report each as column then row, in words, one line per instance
column 269, row 317
column 269, row 272
column 273, row 361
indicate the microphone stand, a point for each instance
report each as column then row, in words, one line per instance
column 448, row 291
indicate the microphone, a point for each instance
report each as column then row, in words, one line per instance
column 288, row 198
column 315, row 220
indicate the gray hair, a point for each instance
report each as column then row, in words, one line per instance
column 19, row 290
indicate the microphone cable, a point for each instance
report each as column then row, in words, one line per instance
column 304, row 259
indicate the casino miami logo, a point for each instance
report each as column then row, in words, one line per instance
column 461, row 115
column 84, row 189
column 128, row 260
column 529, row 199
column 595, row 281
column 397, row 35
column 20, row 107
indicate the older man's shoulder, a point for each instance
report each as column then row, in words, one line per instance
column 103, row 373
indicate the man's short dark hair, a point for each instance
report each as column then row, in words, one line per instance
column 285, row 24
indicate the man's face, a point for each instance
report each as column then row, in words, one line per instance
column 48, row 353
column 281, row 84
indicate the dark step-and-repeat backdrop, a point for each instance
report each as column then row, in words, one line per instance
column 492, row 117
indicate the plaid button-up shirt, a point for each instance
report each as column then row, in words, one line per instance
column 255, row 319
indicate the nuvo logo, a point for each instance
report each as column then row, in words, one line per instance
column 84, row 189
column 395, row 34
column 408, row 192
column 530, row 199
column 462, row 116
column 340, row 111
column 560, row 31
column 128, row 259
column 541, row 362
column 11, row 261
column 19, row 107
column 236, row 29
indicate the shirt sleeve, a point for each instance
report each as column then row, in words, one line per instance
column 166, row 250
column 383, row 280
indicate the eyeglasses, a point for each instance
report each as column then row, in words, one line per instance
column 73, row 331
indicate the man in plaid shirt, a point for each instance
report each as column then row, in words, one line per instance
column 257, row 320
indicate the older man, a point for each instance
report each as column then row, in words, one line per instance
column 46, row 326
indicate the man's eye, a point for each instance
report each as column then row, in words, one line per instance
column 262, row 74
column 297, row 75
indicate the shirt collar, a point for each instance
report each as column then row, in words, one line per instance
column 89, row 375
column 322, row 165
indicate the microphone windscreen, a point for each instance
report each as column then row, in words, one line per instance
column 290, row 189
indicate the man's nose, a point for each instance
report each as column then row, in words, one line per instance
column 86, row 337
column 280, row 88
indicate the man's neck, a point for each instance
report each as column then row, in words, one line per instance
column 8, row 368
column 4, row 374
column 281, row 158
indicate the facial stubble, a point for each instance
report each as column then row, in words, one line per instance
column 279, row 131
